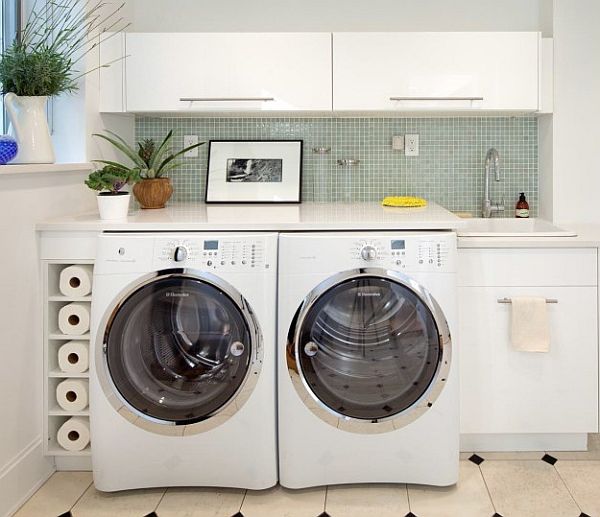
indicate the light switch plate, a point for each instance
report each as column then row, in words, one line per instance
column 411, row 145
column 190, row 140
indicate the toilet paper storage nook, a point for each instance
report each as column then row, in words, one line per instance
column 67, row 289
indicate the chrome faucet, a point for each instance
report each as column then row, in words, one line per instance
column 492, row 160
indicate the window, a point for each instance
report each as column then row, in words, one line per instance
column 10, row 18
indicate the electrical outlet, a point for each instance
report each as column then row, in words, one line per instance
column 398, row 143
column 190, row 140
column 411, row 145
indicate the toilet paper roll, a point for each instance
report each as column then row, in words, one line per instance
column 73, row 357
column 74, row 434
column 74, row 319
column 76, row 281
column 72, row 395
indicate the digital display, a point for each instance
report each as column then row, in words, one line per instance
column 398, row 245
column 211, row 245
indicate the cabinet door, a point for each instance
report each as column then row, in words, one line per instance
column 505, row 391
column 440, row 71
column 221, row 72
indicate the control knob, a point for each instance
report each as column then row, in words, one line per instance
column 368, row 253
column 181, row 253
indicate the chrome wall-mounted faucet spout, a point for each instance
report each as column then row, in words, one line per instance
column 492, row 161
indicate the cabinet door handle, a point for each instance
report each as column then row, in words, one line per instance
column 508, row 300
column 436, row 98
column 227, row 99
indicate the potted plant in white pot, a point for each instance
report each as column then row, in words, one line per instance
column 48, row 59
column 113, row 202
column 150, row 162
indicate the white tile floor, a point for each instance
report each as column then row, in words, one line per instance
column 504, row 484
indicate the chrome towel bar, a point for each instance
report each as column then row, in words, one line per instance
column 508, row 300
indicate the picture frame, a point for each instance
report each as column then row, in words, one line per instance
column 254, row 171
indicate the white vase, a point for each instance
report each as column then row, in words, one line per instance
column 29, row 126
column 113, row 207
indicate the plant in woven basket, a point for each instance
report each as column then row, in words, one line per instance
column 151, row 163
column 150, row 160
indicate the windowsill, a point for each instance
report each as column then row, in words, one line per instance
column 44, row 168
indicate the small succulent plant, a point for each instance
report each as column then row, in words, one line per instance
column 110, row 179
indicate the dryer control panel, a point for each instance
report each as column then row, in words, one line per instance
column 426, row 254
column 407, row 252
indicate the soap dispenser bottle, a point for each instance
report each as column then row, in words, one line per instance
column 522, row 208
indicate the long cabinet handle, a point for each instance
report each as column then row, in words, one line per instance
column 227, row 99
column 508, row 300
column 436, row 98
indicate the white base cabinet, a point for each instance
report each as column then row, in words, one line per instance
column 504, row 391
column 218, row 72
column 441, row 71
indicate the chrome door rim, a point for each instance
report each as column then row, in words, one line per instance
column 357, row 425
column 142, row 420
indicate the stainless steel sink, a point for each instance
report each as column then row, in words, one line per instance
column 512, row 228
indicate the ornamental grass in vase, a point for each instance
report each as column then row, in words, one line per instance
column 150, row 163
column 48, row 59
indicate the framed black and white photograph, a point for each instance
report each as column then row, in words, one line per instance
column 254, row 171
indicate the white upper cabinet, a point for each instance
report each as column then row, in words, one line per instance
column 440, row 71
column 228, row 72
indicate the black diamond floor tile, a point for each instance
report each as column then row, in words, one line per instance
column 583, row 515
column 66, row 514
column 496, row 515
column 324, row 514
column 478, row 460
column 549, row 459
column 239, row 514
column 410, row 514
column 151, row 514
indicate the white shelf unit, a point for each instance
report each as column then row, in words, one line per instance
column 54, row 300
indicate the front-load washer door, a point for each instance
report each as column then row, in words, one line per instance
column 371, row 348
column 180, row 348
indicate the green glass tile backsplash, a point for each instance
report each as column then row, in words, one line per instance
column 449, row 170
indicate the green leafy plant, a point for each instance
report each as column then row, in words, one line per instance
column 110, row 179
column 54, row 42
column 149, row 160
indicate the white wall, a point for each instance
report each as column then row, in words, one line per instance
column 341, row 15
column 576, row 132
column 25, row 200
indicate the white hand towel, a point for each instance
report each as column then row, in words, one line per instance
column 530, row 325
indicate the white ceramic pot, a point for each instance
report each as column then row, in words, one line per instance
column 113, row 207
column 29, row 126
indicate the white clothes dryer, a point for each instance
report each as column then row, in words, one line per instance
column 368, row 384
column 182, row 385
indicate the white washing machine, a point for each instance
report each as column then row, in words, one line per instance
column 182, row 386
column 368, row 385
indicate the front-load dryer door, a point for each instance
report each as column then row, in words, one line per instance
column 179, row 349
column 371, row 348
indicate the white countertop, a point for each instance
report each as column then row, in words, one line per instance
column 303, row 217
column 315, row 217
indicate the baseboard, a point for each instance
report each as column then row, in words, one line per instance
column 73, row 463
column 522, row 442
column 21, row 477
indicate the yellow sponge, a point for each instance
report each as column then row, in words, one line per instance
column 404, row 201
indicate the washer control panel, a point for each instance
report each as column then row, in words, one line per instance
column 417, row 253
column 212, row 254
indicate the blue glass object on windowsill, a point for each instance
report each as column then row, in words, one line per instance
column 8, row 149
